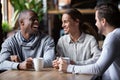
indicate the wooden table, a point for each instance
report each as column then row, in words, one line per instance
column 46, row 74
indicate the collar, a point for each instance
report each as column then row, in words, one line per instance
column 30, row 39
column 80, row 39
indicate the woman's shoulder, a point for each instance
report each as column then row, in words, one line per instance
column 64, row 37
column 89, row 36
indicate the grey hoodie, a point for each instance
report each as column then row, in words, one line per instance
column 39, row 46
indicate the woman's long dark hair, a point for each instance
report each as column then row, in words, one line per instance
column 83, row 25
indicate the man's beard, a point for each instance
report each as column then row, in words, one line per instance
column 99, row 32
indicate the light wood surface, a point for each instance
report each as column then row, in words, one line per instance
column 45, row 74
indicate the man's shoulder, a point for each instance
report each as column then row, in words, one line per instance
column 10, row 40
column 13, row 37
column 45, row 36
column 114, row 33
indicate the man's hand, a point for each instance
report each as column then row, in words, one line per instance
column 14, row 58
column 27, row 64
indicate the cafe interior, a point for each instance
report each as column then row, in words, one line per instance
column 49, row 12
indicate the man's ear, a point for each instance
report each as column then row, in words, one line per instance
column 103, row 21
column 77, row 20
column 22, row 23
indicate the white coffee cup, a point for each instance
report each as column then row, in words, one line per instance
column 38, row 64
column 67, row 59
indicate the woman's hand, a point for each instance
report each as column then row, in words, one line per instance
column 63, row 65
column 55, row 63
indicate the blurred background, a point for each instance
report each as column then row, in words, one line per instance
column 49, row 12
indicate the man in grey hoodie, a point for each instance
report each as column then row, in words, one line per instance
column 19, row 50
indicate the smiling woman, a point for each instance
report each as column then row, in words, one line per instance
column 79, row 43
